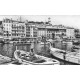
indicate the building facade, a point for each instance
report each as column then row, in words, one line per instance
column 59, row 31
column 77, row 33
column 13, row 29
column 49, row 29
column 70, row 33
column 7, row 28
column 31, row 31
column 18, row 30
column 1, row 31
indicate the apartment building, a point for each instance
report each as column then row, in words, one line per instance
column 48, row 29
column 18, row 30
column 13, row 29
column 59, row 31
column 7, row 28
column 1, row 31
column 77, row 33
column 31, row 31
column 70, row 33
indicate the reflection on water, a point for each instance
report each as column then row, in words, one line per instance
column 24, row 47
column 66, row 46
column 8, row 49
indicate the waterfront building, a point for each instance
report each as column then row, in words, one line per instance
column 42, row 30
column 13, row 29
column 49, row 29
column 18, row 30
column 61, row 32
column 70, row 33
column 36, row 30
column 31, row 31
column 1, row 31
column 58, row 30
column 7, row 28
column 77, row 33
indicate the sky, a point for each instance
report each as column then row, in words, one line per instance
column 67, row 20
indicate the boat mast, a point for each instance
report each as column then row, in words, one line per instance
column 45, row 37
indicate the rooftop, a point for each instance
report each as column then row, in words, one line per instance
column 10, row 20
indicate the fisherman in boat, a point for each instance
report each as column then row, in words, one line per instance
column 32, row 50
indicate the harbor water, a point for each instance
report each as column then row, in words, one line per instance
column 8, row 49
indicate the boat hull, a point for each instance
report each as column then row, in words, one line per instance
column 40, row 60
column 64, row 61
column 67, row 60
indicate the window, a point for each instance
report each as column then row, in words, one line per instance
column 35, row 35
column 27, row 35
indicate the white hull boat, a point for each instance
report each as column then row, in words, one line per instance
column 73, row 57
column 24, row 58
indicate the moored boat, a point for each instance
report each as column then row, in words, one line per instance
column 71, row 57
column 24, row 57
